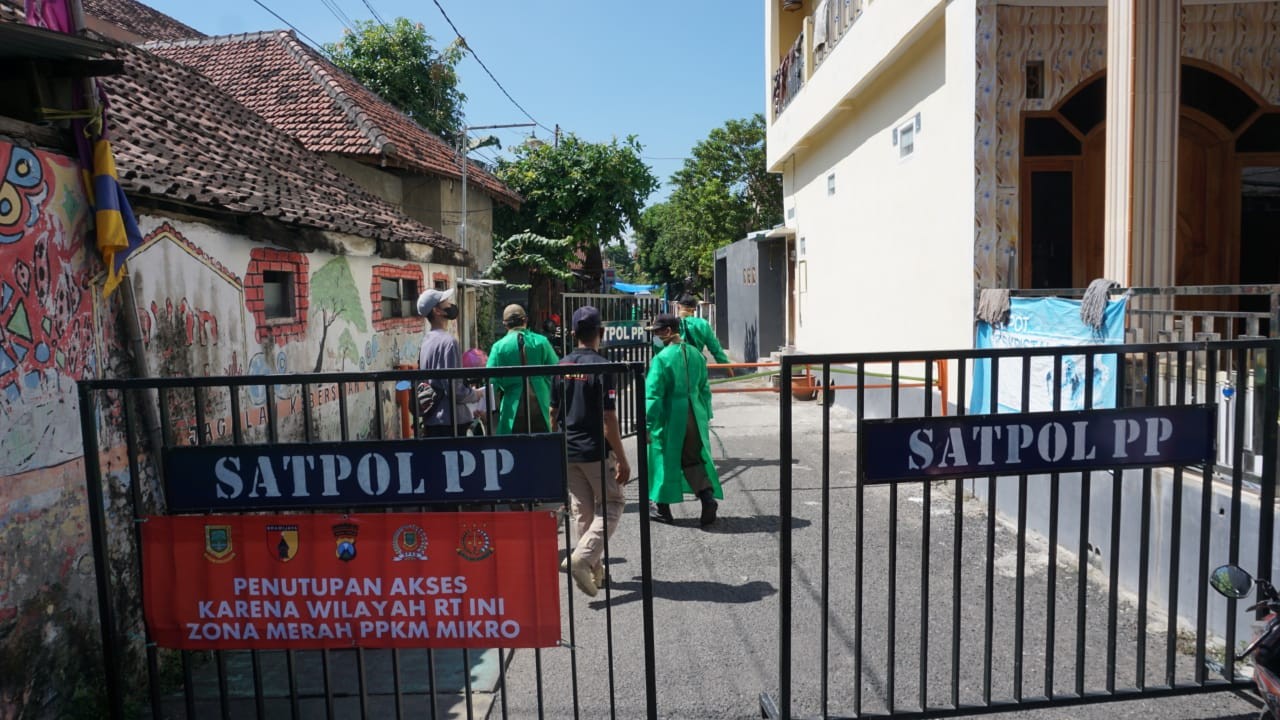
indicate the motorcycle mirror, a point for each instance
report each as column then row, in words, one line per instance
column 1231, row 581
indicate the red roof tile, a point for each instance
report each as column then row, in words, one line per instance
column 305, row 95
column 139, row 19
column 179, row 137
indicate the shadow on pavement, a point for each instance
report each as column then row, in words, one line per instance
column 688, row 591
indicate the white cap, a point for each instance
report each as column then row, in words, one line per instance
column 429, row 299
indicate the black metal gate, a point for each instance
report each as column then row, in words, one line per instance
column 618, row 311
column 129, row 424
column 938, row 598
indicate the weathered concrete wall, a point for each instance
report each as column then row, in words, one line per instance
column 48, row 341
column 201, row 311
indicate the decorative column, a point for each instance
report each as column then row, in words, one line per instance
column 1143, row 73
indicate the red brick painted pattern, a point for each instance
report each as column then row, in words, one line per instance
column 273, row 260
column 399, row 272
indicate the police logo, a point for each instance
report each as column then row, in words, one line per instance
column 217, row 544
column 475, row 544
column 410, row 543
column 282, row 541
column 346, row 533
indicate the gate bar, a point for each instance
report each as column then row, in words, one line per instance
column 98, row 532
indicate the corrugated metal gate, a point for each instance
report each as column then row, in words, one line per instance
column 624, row 317
column 129, row 424
column 936, row 598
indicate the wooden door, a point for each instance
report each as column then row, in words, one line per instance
column 1206, row 245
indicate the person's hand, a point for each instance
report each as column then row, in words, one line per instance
column 622, row 472
column 731, row 372
column 426, row 395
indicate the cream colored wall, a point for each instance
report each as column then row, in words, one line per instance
column 869, row 49
column 479, row 219
column 886, row 261
column 383, row 184
column 1242, row 39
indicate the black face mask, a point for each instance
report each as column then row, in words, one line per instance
column 451, row 312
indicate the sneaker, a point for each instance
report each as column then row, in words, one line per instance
column 582, row 575
column 661, row 512
column 564, row 565
column 602, row 579
column 709, row 506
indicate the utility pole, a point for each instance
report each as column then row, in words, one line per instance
column 557, row 135
column 465, row 151
column 466, row 164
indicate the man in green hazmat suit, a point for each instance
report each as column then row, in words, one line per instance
column 678, row 410
column 698, row 332
column 525, row 402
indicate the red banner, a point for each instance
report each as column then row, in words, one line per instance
column 410, row 580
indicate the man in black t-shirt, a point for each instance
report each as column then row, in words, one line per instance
column 598, row 465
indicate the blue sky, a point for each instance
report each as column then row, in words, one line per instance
column 667, row 71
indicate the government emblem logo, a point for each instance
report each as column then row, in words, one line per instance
column 282, row 541
column 410, row 543
column 475, row 544
column 217, row 543
column 346, row 533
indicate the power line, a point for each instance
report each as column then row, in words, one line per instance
column 293, row 27
column 485, row 67
column 375, row 14
column 341, row 17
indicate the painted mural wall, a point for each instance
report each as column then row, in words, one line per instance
column 1243, row 39
column 204, row 309
column 47, row 343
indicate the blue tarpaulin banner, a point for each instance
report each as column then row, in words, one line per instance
column 1048, row 322
column 629, row 288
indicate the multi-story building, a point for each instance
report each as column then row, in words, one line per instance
column 931, row 148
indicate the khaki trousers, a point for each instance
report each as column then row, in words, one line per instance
column 592, row 499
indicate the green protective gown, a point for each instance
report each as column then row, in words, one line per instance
column 506, row 353
column 699, row 334
column 676, row 382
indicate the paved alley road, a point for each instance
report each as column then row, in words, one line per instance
column 716, row 602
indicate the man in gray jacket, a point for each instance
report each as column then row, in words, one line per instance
column 440, row 352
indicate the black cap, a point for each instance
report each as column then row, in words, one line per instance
column 664, row 320
column 586, row 319
column 688, row 301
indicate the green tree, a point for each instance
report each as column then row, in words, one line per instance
column 722, row 193
column 590, row 192
column 532, row 253
column 334, row 295
column 400, row 64
column 347, row 348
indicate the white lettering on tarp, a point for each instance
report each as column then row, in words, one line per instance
column 264, row 478
column 229, row 484
column 1041, row 443
column 1158, row 430
column 335, row 468
column 301, row 464
column 379, row 473
column 464, row 629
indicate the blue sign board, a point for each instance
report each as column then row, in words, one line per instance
column 1048, row 322
column 905, row 449
column 389, row 473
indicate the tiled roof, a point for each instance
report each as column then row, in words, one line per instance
column 179, row 137
column 140, row 19
column 300, row 92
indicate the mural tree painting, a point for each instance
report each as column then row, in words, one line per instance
column 333, row 296
column 347, row 349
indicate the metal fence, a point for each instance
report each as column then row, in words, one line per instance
column 936, row 598
column 127, row 426
column 619, row 310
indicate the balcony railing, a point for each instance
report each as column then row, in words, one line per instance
column 789, row 77
column 831, row 21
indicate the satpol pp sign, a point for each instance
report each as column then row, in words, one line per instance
column 905, row 449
